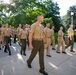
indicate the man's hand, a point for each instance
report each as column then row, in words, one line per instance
column 31, row 47
column 70, row 39
column 45, row 41
column 62, row 39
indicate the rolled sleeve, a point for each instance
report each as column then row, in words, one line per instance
column 32, row 30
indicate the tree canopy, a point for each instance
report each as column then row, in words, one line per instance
column 67, row 18
column 26, row 11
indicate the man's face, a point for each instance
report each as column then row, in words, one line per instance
column 23, row 27
column 61, row 28
column 28, row 26
column 71, row 26
column 6, row 25
column 53, row 27
column 48, row 25
column 20, row 25
column 3, row 25
column 41, row 18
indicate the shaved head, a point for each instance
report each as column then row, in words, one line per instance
column 61, row 28
column 48, row 25
column 71, row 26
column 40, row 18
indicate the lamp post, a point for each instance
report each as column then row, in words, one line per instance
column 72, row 17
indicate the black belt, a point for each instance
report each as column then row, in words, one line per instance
column 37, row 39
column 47, row 37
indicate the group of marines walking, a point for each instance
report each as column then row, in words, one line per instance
column 38, row 39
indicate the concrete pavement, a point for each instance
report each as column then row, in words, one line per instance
column 58, row 64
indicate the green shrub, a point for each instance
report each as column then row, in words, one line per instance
column 75, row 37
column 56, row 38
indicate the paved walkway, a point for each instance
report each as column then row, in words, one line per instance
column 58, row 64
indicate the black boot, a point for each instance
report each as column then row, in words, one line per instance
column 29, row 65
column 5, row 50
column 43, row 72
column 63, row 52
